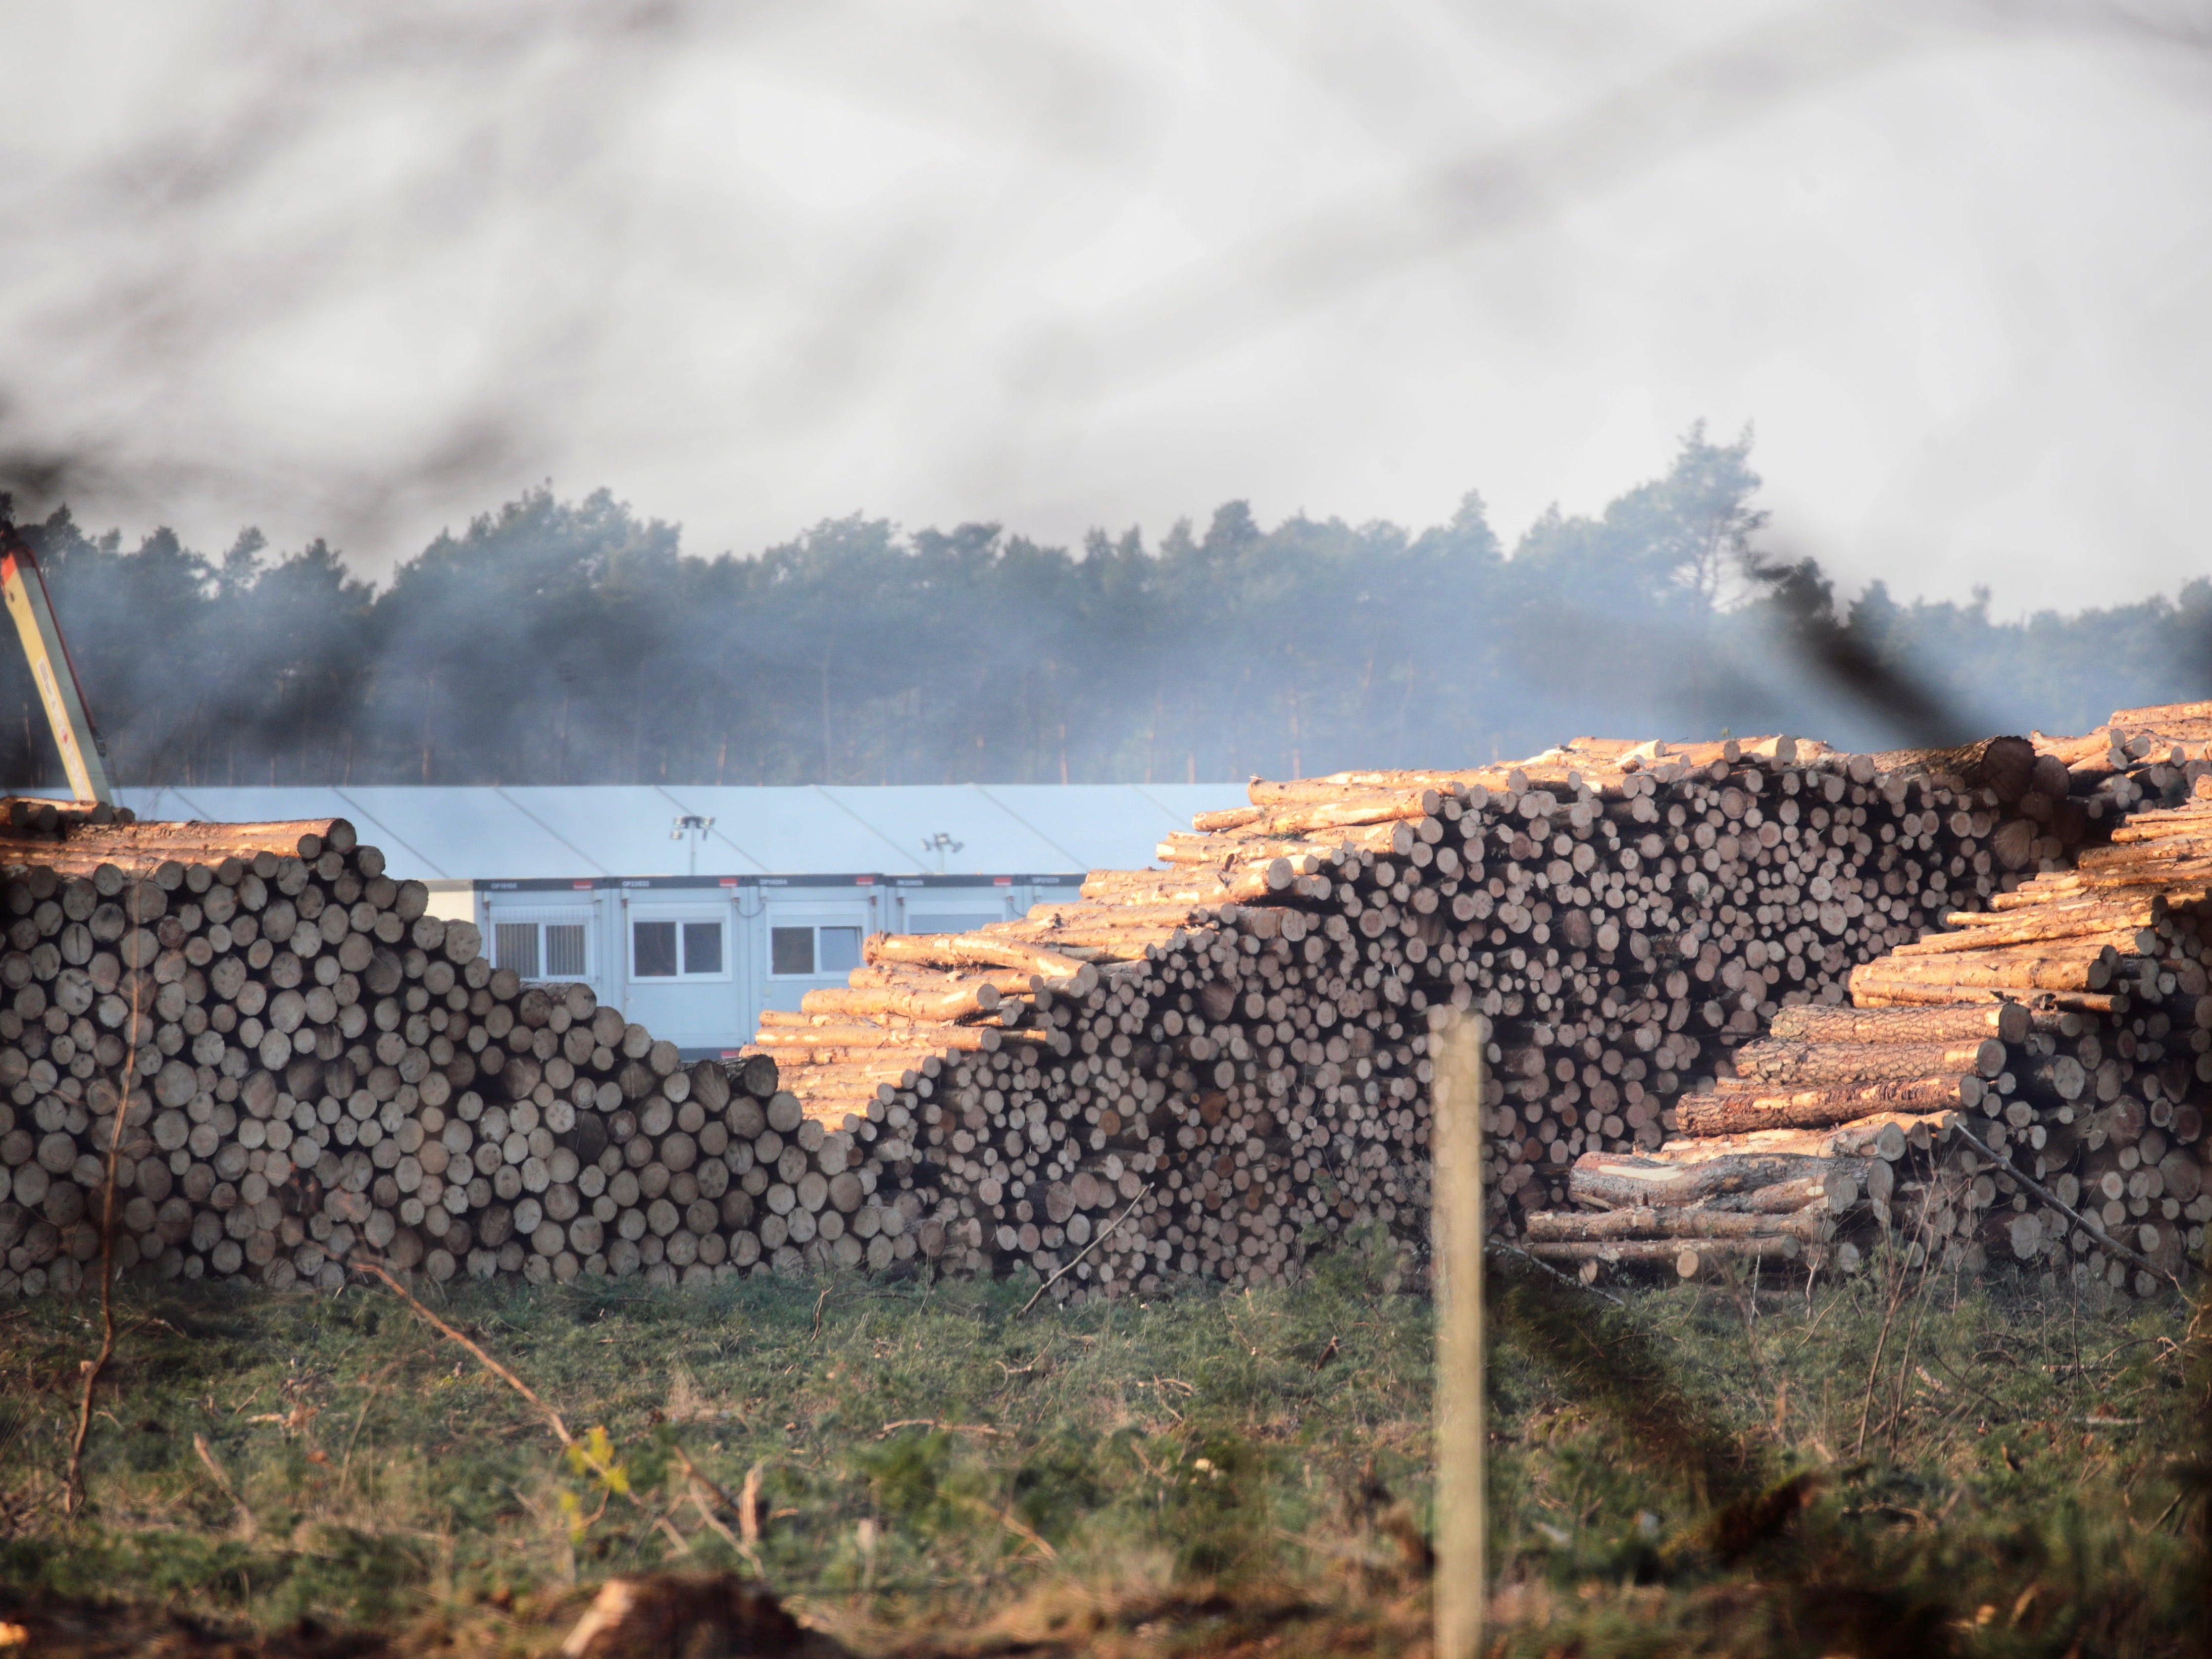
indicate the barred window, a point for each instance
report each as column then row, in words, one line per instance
column 564, row 950
column 515, row 947
column 543, row 950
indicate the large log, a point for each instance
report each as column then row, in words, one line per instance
column 1776, row 1061
column 1739, row 1110
column 1619, row 1181
column 1683, row 1256
column 970, row 949
column 2006, row 1021
column 2005, row 766
column 1812, row 1225
column 963, row 1002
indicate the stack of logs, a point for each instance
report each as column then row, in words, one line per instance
column 1218, row 1064
column 1204, row 1069
column 2065, row 1030
column 306, row 1065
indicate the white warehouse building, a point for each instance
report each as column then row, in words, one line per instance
column 691, row 909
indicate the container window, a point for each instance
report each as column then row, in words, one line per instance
column 652, row 950
column 514, row 945
column 964, row 923
column 702, row 947
column 790, row 950
column 838, row 950
column 564, row 950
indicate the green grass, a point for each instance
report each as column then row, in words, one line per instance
column 1216, row 1468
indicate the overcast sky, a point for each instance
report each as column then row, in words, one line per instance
column 365, row 272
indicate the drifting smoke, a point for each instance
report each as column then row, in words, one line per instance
column 358, row 274
column 574, row 642
column 369, row 272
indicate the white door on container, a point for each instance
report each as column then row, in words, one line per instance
column 809, row 945
column 957, row 912
column 681, row 983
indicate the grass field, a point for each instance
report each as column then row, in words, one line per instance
column 1851, row 1469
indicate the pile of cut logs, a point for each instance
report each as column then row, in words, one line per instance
column 1205, row 1067
column 1202, row 1069
column 306, row 1065
column 2026, row 1085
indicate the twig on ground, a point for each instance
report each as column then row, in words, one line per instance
column 699, row 1478
column 1900, row 1272
column 369, row 1265
column 1014, row 1524
column 749, row 1506
column 1563, row 1279
column 702, row 1476
column 728, row 1537
column 2096, row 1229
column 206, row 1457
column 73, row 1486
column 375, row 1389
column 1967, row 1382
column 1096, row 1239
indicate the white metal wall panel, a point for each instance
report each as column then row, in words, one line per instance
column 792, row 831
column 797, row 857
column 812, row 907
column 486, row 833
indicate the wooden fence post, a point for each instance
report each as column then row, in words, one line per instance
column 1455, row 1277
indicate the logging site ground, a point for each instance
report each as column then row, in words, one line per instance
column 1889, row 1464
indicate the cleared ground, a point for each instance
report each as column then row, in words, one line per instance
column 1850, row 1468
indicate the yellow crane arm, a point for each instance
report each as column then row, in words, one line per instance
column 24, row 588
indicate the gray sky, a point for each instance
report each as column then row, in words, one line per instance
column 363, row 272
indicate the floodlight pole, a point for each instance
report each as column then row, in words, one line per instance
column 691, row 828
column 1456, row 1273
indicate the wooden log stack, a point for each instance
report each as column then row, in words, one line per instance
column 1206, row 1068
column 2065, row 1028
column 306, row 1064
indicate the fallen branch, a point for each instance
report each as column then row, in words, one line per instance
column 369, row 1265
column 1096, row 1239
column 207, row 1458
column 2096, row 1229
column 699, row 1478
column 73, row 1484
column 1545, row 1266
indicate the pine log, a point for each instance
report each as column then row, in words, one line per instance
column 1772, row 1061
column 968, row 949
column 1611, row 1180
column 1812, row 1226
column 1741, row 1111
column 868, row 1002
column 1785, row 1246
column 2007, row 1022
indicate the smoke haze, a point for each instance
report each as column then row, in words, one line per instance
column 566, row 641
column 356, row 275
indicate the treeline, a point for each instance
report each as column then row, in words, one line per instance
column 574, row 642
